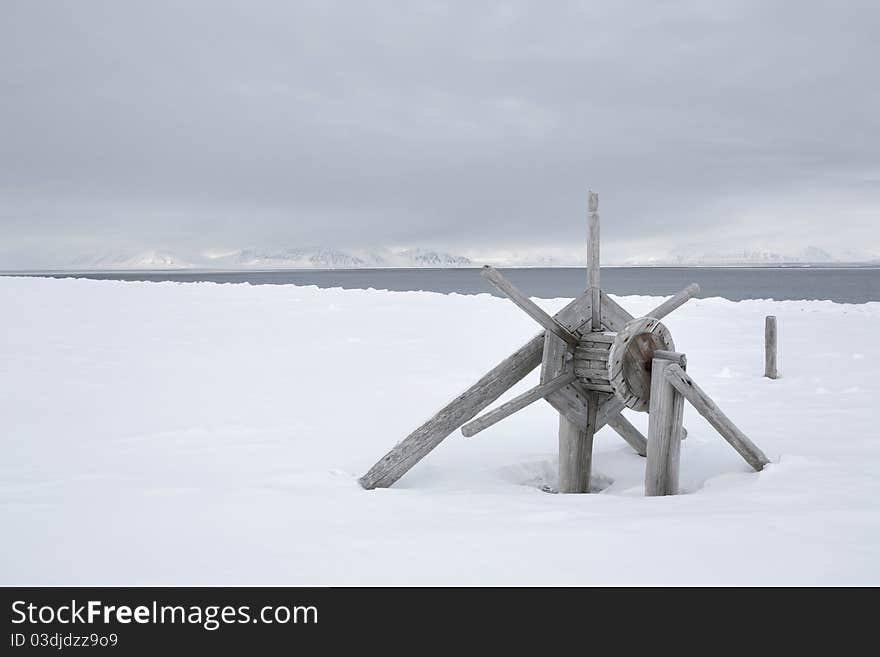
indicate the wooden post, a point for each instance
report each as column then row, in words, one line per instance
column 716, row 417
column 770, row 348
column 664, row 428
column 576, row 452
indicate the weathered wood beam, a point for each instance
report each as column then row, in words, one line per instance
column 664, row 431
column 770, row 333
column 629, row 433
column 420, row 442
column 716, row 417
column 598, row 387
column 570, row 401
column 608, row 409
column 673, row 356
column 594, row 290
column 587, row 353
column 528, row 306
column 609, row 405
column 615, row 317
column 576, row 451
column 675, row 301
column 594, row 373
column 517, row 403
column 604, row 338
column 593, row 261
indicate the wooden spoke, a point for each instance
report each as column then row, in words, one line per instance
column 528, row 306
column 517, row 403
column 675, row 301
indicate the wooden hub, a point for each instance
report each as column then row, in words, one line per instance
column 591, row 361
column 630, row 359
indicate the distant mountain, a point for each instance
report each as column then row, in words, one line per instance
column 296, row 259
column 745, row 257
column 331, row 258
column 145, row 260
column 285, row 258
column 423, row 258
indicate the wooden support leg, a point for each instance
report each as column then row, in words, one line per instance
column 420, row 442
column 664, row 433
column 716, row 417
column 576, row 450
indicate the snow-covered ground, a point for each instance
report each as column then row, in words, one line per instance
column 162, row 433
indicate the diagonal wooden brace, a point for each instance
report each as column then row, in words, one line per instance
column 466, row 406
column 507, row 409
column 528, row 306
column 682, row 382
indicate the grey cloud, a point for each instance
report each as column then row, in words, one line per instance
column 204, row 124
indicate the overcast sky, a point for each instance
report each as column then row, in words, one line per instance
column 472, row 127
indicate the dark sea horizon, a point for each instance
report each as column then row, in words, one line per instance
column 840, row 283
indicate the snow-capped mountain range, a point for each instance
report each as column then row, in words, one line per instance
column 330, row 258
column 287, row 258
column 333, row 258
column 144, row 260
column 811, row 255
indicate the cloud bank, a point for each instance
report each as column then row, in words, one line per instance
column 474, row 128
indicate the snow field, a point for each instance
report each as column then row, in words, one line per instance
column 163, row 433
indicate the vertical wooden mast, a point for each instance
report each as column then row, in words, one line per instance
column 593, row 286
column 575, row 440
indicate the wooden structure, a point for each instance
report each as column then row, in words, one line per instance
column 596, row 360
column 770, row 334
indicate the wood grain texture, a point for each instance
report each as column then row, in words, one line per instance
column 591, row 353
column 593, row 260
column 594, row 290
column 576, row 452
column 676, row 357
column 675, row 301
column 591, row 359
column 596, row 374
column 716, row 417
column 664, row 432
column 614, row 317
column 557, row 359
column 517, row 403
column 528, row 306
column 770, row 339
